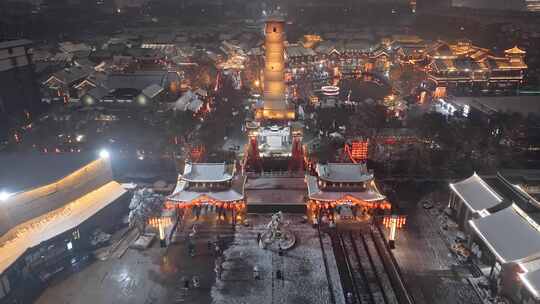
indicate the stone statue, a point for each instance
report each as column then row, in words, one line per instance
column 277, row 233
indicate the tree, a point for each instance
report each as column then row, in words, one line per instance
column 144, row 204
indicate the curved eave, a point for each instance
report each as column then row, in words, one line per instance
column 206, row 181
column 208, row 195
column 322, row 198
column 338, row 180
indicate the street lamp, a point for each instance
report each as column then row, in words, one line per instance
column 104, row 154
column 4, row 196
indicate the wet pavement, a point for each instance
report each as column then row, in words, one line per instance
column 155, row 275
column 130, row 279
column 158, row 275
column 432, row 272
column 302, row 278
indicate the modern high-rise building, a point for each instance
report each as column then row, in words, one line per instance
column 275, row 102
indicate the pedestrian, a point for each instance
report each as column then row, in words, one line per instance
column 259, row 237
column 349, row 297
column 186, row 283
column 279, row 275
column 191, row 248
column 280, row 250
column 256, row 273
column 218, row 269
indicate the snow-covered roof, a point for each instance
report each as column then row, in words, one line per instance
column 476, row 194
column 299, row 51
column 70, row 47
column 206, row 172
column 152, row 90
column 530, row 277
column 195, row 105
column 315, row 193
column 188, row 101
column 183, row 195
column 256, row 51
column 29, row 234
column 344, row 172
column 138, row 80
column 201, row 92
column 44, row 168
column 272, row 139
column 69, row 76
column 98, row 92
column 14, row 43
column 275, row 17
column 510, row 235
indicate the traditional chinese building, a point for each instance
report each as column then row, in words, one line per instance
column 348, row 57
column 472, row 198
column 463, row 65
column 273, row 137
column 299, row 56
column 209, row 184
column 344, row 184
column 500, row 219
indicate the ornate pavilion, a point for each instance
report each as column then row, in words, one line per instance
column 210, row 185
column 465, row 65
column 344, row 184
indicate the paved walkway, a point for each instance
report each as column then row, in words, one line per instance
column 302, row 267
column 155, row 275
column 431, row 271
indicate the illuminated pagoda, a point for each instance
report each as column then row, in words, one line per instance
column 275, row 102
column 344, row 184
column 209, row 184
column 274, row 137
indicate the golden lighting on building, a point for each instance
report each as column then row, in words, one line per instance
column 423, row 97
column 156, row 221
column 275, row 105
column 349, row 200
column 337, row 73
column 237, row 205
column 311, row 40
column 440, row 92
column 398, row 221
